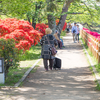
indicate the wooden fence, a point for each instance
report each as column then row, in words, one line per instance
column 93, row 44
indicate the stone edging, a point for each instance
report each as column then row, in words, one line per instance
column 97, row 77
column 24, row 76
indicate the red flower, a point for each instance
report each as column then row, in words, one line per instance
column 41, row 27
column 21, row 31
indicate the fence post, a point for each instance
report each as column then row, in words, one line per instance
column 98, row 51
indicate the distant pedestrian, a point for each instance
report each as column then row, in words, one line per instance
column 78, row 32
column 46, row 49
column 69, row 27
column 74, row 32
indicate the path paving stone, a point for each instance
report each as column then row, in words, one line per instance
column 73, row 82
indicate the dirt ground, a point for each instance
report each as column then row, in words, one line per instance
column 73, row 82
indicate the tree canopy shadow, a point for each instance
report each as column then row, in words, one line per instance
column 65, row 84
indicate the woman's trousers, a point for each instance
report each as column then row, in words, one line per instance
column 45, row 62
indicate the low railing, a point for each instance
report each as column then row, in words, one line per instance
column 92, row 42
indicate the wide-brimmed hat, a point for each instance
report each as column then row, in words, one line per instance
column 48, row 31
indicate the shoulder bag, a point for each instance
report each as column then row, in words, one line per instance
column 53, row 49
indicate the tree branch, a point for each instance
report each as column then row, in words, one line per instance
column 87, row 8
column 72, row 13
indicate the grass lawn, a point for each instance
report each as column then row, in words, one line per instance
column 27, row 60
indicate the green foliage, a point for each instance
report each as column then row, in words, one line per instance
column 98, row 0
column 21, row 8
column 98, row 68
column 51, row 7
column 59, row 0
column 15, row 7
column 63, row 33
column 9, row 53
column 88, row 13
column 98, row 86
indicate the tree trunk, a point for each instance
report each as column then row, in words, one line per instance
column 52, row 23
column 63, row 17
column 33, row 22
column 51, row 18
column 28, row 19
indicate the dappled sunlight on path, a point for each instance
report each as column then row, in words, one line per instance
column 73, row 82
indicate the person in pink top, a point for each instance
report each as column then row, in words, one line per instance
column 78, row 32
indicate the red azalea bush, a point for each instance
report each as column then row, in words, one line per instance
column 64, row 27
column 19, row 30
column 16, row 36
column 24, row 44
column 94, row 34
column 41, row 27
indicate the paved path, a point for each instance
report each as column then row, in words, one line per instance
column 73, row 82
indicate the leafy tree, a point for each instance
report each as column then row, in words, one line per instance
column 89, row 14
column 84, row 11
column 23, row 9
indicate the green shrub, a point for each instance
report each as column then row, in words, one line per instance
column 10, row 53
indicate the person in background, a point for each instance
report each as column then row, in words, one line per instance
column 62, row 43
column 74, row 32
column 70, row 26
column 78, row 32
column 57, row 38
column 46, row 51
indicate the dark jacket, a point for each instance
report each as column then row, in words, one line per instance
column 45, row 51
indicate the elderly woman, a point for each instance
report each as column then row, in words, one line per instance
column 58, row 40
column 46, row 52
